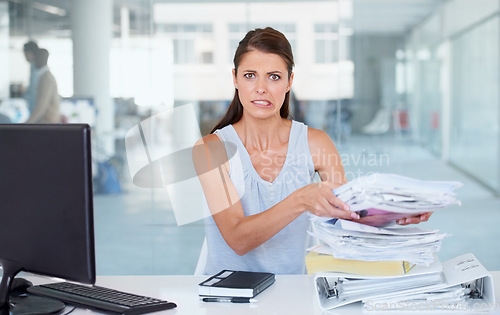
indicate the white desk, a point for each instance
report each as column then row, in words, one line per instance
column 289, row 295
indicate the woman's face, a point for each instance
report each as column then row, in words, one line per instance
column 262, row 82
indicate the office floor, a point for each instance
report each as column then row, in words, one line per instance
column 136, row 232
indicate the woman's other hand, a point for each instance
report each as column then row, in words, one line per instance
column 415, row 219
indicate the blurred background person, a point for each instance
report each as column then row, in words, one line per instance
column 30, row 49
column 46, row 109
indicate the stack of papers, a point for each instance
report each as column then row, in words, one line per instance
column 438, row 299
column 454, row 285
column 380, row 199
column 351, row 240
column 335, row 290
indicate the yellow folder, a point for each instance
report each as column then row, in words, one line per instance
column 316, row 262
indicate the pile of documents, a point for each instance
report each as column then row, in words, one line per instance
column 380, row 199
column 441, row 299
column 453, row 285
column 350, row 240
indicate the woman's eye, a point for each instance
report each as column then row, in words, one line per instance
column 274, row 77
column 249, row 75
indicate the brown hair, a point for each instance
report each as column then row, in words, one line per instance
column 267, row 40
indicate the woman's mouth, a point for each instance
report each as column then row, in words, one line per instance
column 261, row 103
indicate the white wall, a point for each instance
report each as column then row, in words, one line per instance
column 214, row 82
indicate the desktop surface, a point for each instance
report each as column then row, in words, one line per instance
column 290, row 295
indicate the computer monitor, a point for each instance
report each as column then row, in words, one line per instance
column 46, row 206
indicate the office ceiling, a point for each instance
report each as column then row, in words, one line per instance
column 369, row 16
column 390, row 16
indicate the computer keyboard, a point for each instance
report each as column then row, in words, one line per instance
column 100, row 298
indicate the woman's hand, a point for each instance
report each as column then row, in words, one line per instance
column 415, row 220
column 319, row 199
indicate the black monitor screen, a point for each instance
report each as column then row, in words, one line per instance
column 46, row 210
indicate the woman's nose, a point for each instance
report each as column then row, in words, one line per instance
column 261, row 87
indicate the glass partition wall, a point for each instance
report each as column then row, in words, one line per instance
column 162, row 55
column 474, row 122
column 453, row 87
column 369, row 73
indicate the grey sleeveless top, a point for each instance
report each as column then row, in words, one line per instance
column 284, row 253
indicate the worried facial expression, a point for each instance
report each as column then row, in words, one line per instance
column 262, row 82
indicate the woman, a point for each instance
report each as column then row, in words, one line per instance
column 259, row 198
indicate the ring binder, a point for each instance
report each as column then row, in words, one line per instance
column 461, row 279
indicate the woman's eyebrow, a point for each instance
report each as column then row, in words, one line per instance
column 268, row 73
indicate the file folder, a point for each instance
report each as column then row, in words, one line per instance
column 464, row 271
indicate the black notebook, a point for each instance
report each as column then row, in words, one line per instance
column 229, row 283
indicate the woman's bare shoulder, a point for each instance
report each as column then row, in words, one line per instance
column 317, row 138
column 209, row 151
column 208, row 138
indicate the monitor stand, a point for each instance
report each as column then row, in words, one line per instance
column 21, row 303
column 32, row 305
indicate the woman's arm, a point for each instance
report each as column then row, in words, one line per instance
column 326, row 158
column 244, row 233
column 328, row 163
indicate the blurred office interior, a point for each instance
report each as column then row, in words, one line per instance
column 402, row 86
